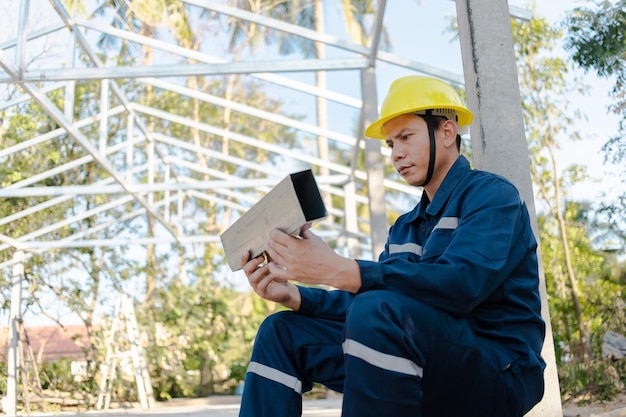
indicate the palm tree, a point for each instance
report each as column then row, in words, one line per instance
column 309, row 14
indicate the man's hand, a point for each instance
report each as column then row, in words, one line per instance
column 308, row 259
column 267, row 286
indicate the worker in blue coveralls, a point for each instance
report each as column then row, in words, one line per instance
column 445, row 323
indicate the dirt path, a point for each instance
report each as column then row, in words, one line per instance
column 614, row 408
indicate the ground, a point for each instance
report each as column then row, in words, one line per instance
column 609, row 408
column 228, row 406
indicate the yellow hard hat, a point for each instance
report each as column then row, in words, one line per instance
column 416, row 94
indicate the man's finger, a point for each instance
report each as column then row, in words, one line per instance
column 304, row 228
column 250, row 264
column 279, row 271
column 308, row 234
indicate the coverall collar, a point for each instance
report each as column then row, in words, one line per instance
column 453, row 177
column 426, row 207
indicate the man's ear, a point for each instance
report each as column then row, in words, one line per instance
column 450, row 130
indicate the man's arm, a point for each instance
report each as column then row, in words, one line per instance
column 460, row 268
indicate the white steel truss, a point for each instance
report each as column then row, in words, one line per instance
column 164, row 186
column 40, row 79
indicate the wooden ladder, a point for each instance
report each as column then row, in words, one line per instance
column 31, row 384
column 122, row 343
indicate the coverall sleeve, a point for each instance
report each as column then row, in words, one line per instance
column 460, row 268
column 321, row 302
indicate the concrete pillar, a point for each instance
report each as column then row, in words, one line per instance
column 498, row 138
column 374, row 166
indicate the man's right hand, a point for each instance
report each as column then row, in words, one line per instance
column 267, row 286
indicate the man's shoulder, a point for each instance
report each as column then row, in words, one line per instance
column 464, row 172
column 480, row 183
column 489, row 178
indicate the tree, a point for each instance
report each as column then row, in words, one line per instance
column 196, row 290
column 145, row 17
column 596, row 39
column 42, row 161
column 602, row 307
column 172, row 19
column 83, row 278
column 581, row 290
column 310, row 15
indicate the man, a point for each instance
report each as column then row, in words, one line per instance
column 447, row 321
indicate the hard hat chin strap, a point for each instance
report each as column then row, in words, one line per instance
column 430, row 122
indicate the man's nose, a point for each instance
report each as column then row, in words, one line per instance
column 397, row 153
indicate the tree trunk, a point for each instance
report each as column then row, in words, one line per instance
column 585, row 344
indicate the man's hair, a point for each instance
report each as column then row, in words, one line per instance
column 437, row 121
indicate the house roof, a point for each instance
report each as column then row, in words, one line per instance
column 50, row 343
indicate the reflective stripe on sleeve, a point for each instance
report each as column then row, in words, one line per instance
column 406, row 247
column 381, row 360
column 276, row 376
column 447, row 223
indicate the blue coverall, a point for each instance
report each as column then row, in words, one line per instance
column 447, row 322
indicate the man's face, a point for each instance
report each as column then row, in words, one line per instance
column 407, row 136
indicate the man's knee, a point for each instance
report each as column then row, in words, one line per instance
column 367, row 311
column 274, row 327
column 378, row 316
column 379, row 309
column 393, row 322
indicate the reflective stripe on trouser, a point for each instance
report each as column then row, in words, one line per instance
column 290, row 352
column 381, row 360
column 276, row 376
